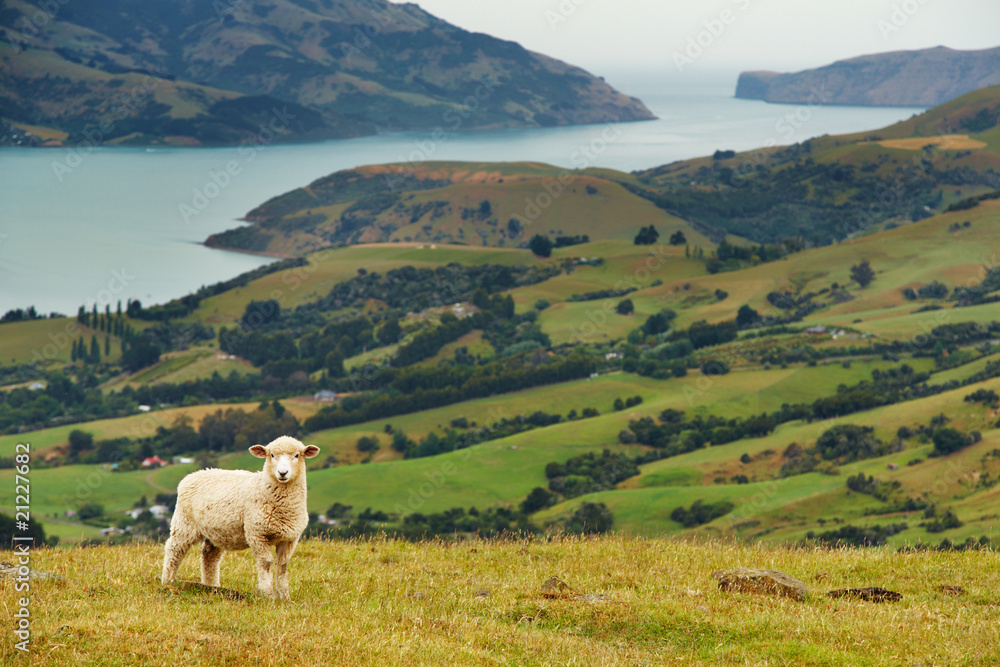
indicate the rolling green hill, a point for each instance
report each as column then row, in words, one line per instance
column 836, row 187
column 190, row 72
column 823, row 190
column 475, row 204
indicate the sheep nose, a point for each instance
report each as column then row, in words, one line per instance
column 282, row 474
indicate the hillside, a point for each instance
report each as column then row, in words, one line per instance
column 631, row 601
column 189, row 72
column 476, row 204
column 823, row 190
column 921, row 78
column 559, row 310
column 831, row 188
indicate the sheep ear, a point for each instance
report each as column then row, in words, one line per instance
column 310, row 451
column 259, row 451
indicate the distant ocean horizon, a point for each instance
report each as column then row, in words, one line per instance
column 118, row 223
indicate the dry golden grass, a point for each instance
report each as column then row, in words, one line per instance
column 948, row 142
column 386, row 602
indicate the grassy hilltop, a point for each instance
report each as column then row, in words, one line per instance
column 633, row 601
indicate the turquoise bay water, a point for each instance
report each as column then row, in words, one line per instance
column 120, row 223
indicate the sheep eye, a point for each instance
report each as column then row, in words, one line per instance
column 296, row 456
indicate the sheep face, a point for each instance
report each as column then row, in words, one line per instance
column 284, row 458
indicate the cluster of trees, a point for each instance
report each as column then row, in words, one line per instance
column 414, row 289
column 838, row 445
column 870, row 486
column 602, row 294
column 463, row 434
column 456, row 522
column 589, row 473
column 934, row 290
column 985, row 396
column 946, row 337
column 795, row 195
column 856, row 536
column 138, row 349
column 676, row 436
column 80, row 352
column 948, row 440
column 981, row 293
column 647, row 236
column 266, row 335
column 566, row 241
column 185, row 305
column 207, row 390
column 8, row 531
column 940, row 522
column 224, row 431
column 62, row 401
column 671, row 354
column 701, row 512
column 413, row 389
column 21, row 315
column 541, row 245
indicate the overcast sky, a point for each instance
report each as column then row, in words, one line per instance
column 609, row 36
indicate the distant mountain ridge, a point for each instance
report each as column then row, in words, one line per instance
column 212, row 72
column 923, row 78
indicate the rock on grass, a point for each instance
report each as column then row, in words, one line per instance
column 767, row 582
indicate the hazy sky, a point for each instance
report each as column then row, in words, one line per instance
column 608, row 36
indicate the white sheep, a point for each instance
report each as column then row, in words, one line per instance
column 231, row 510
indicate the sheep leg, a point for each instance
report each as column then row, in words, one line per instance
column 284, row 555
column 174, row 552
column 265, row 575
column 211, row 557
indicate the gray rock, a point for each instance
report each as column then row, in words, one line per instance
column 951, row 590
column 768, row 582
column 11, row 570
column 482, row 593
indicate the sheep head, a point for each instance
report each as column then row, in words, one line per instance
column 284, row 458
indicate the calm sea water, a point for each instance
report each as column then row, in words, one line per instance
column 120, row 223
